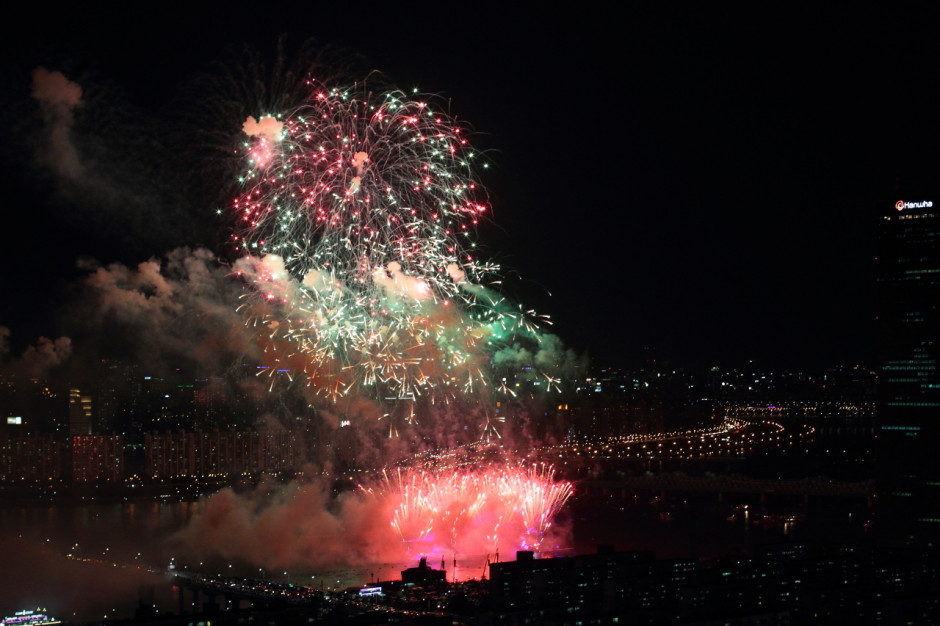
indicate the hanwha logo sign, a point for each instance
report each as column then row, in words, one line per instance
column 900, row 205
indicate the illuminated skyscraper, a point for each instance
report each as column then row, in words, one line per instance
column 909, row 382
column 80, row 419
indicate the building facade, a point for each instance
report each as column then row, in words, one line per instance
column 908, row 430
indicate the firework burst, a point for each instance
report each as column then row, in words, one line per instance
column 357, row 218
column 499, row 507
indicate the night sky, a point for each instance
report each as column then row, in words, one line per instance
column 703, row 180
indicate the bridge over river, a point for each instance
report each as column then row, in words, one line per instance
column 207, row 590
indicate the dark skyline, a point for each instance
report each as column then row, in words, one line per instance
column 706, row 181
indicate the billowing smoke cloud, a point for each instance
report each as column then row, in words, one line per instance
column 296, row 526
column 359, row 161
column 45, row 354
column 124, row 175
column 36, row 359
column 58, row 97
column 268, row 274
column 548, row 357
column 181, row 307
column 456, row 274
column 532, row 354
column 398, row 284
column 267, row 127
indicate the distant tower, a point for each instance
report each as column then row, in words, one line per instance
column 908, row 498
column 79, row 413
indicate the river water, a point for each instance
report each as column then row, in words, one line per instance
column 90, row 561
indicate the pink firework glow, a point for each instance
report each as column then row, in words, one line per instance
column 490, row 508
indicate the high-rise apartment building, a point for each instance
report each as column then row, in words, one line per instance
column 908, row 499
column 80, row 415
